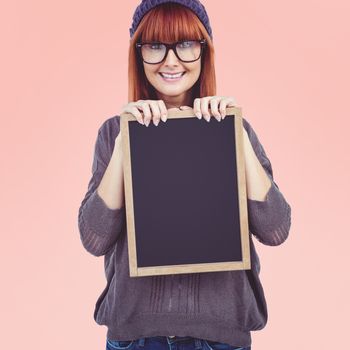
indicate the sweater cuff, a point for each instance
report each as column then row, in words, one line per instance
column 269, row 220
column 101, row 219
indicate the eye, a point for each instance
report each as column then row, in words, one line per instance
column 185, row 44
column 156, row 46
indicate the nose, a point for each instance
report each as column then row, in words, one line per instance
column 171, row 57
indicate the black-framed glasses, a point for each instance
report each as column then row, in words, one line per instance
column 185, row 50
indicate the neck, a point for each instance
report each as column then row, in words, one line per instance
column 176, row 101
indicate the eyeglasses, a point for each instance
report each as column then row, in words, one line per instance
column 185, row 50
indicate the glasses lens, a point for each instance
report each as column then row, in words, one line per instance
column 188, row 50
column 153, row 53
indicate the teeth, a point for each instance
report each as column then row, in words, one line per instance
column 171, row 76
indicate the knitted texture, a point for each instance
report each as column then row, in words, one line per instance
column 222, row 306
column 193, row 5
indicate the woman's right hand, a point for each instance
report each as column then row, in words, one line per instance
column 152, row 109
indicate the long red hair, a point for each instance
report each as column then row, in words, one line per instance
column 170, row 22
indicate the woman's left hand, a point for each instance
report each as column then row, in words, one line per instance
column 217, row 105
column 257, row 181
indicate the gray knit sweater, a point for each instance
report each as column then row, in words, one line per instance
column 218, row 306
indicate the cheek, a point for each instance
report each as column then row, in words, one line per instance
column 197, row 69
column 151, row 76
column 149, row 71
column 195, row 73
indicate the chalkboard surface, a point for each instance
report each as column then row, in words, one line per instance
column 185, row 194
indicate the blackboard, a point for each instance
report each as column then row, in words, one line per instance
column 185, row 194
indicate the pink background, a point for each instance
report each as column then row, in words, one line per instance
column 64, row 71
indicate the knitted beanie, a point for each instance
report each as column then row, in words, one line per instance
column 193, row 5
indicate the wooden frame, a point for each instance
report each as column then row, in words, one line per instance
column 136, row 270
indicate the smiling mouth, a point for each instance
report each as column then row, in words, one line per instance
column 172, row 77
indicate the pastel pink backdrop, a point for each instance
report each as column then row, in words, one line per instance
column 64, row 71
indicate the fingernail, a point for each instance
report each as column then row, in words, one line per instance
column 199, row 115
column 147, row 123
column 156, row 122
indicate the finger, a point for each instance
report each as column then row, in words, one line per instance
column 227, row 102
column 222, row 107
column 214, row 108
column 155, row 111
column 183, row 108
column 138, row 106
column 163, row 110
column 197, row 108
column 132, row 108
column 232, row 102
column 146, row 112
column 204, row 107
column 137, row 114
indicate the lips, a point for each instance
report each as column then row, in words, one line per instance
column 166, row 75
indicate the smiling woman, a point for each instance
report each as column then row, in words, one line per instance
column 171, row 64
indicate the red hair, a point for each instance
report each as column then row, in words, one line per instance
column 170, row 22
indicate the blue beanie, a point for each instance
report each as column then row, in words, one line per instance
column 193, row 5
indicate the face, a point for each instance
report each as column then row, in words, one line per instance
column 174, row 92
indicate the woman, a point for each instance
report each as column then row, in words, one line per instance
column 171, row 65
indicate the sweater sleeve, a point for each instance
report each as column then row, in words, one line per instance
column 269, row 220
column 100, row 226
